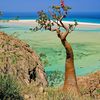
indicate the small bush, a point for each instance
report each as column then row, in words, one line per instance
column 55, row 78
column 9, row 89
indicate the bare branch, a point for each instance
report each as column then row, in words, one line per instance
column 53, row 29
column 72, row 27
column 53, row 15
column 58, row 24
column 66, row 28
column 44, row 21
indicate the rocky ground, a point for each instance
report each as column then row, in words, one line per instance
column 90, row 85
column 20, row 61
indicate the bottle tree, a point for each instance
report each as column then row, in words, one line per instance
column 53, row 22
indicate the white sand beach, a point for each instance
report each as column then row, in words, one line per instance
column 31, row 22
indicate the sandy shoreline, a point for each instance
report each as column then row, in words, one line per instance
column 31, row 22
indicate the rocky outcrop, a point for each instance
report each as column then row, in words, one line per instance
column 19, row 60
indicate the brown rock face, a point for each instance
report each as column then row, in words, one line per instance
column 19, row 60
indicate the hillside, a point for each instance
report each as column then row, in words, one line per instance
column 20, row 61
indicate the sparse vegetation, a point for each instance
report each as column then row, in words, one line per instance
column 55, row 78
column 44, row 59
column 9, row 89
column 54, row 93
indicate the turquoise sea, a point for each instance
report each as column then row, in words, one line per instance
column 85, row 42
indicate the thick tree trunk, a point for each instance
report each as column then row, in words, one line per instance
column 70, row 82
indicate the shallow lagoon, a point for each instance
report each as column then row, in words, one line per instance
column 84, row 40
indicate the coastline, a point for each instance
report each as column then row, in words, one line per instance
column 85, row 41
column 82, row 23
column 31, row 22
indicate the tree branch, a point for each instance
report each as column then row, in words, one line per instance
column 60, row 20
column 64, row 35
column 57, row 23
column 53, row 29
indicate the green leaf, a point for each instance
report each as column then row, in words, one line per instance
column 56, row 7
